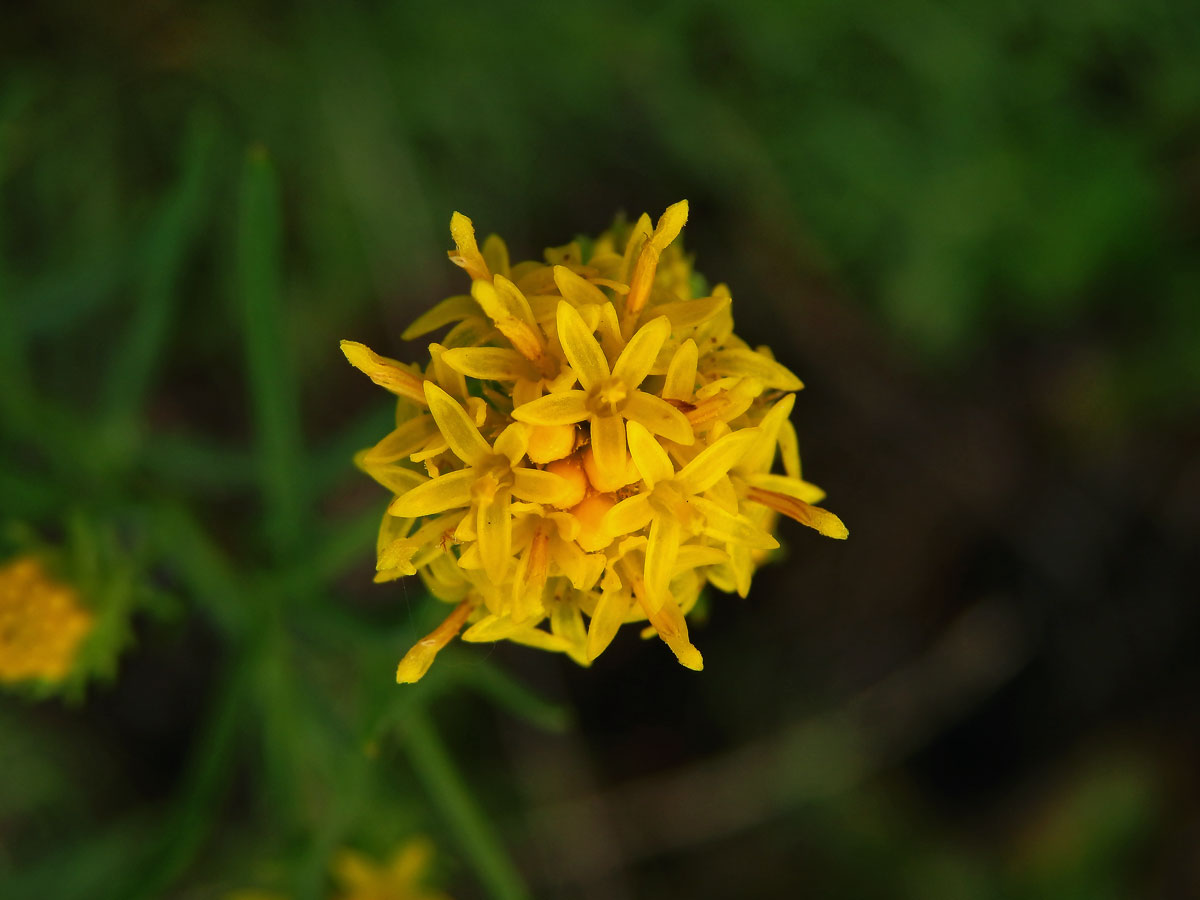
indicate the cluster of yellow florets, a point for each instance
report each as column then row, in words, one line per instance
column 42, row 623
column 589, row 439
column 359, row 877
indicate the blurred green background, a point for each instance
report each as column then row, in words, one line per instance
column 974, row 233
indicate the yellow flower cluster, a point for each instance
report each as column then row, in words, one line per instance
column 42, row 623
column 359, row 877
column 588, row 439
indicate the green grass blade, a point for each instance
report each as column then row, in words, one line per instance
column 340, row 545
column 512, row 695
column 273, row 390
column 170, row 235
column 15, row 383
column 450, row 794
column 207, row 778
column 202, row 567
column 193, row 463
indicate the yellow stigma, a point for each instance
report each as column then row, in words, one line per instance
column 608, row 398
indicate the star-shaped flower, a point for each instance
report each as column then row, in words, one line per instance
column 609, row 397
column 491, row 477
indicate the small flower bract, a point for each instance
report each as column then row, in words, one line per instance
column 588, row 445
column 42, row 623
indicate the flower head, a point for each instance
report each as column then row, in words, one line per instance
column 42, row 623
column 359, row 877
column 589, row 445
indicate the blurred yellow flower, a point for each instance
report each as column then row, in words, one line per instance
column 589, row 439
column 358, row 877
column 361, row 878
column 42, row 623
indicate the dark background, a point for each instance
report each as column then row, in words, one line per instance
column 972, row 232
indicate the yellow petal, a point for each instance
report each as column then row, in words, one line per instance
column 659, row 417
column 407, row 439
column 392, row 528
column 537, row 486
column 635, row 361
column 813, row 516
column 494, row 526
column 630, row 515
column 734, row 529
column 535, row 637
column 495, row 254
column 789, row 487
column 609, row 451
column 512, row 442
column 395, row 560
column 603, row 482
column 444, row 376
column 661, row 552
column 651, row 459
column 610, row 612
column 741, row 565
column 545, row 308
column 452, row 309
column 681, row 373
column 489, row 363
column 608, row 326
column 566, row 623
column 514, row 300
column 456, row 426
column 530, row 578
column 467, row 252
column 493, row 628
column 642, row 278
column 580, row 347
column 748, row 363
column 573, row 563
column 724, row 494
column 563, row 408
column 693, row 556
column 472, row 332
column 726, row 404
column 714, row 461
column 669, row 225
column 393, row 476
column 417, row 661
column 690, row 313
column 444, row 579
column 789, row 449
column 577, row 289
column 385, row 372
column 449, row 491
column 639, row 234
column 507, row 307
column 668, row 621
column 762, row 454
